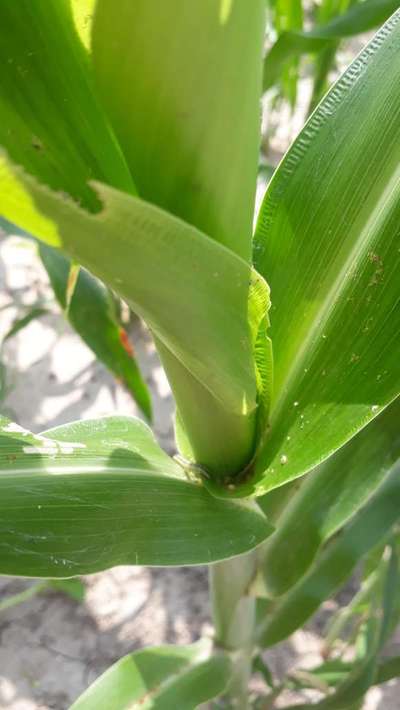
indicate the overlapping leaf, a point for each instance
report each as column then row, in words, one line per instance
column 334, row 671
column 329, row 497
column 192, row 107
column 327, row 242
column 94, row 494
column 161, row 678
column 359, row 18
column 91, row 313
column 50, row 119
column 371, row 524
column 184, row 278
column 161, row 267
column 364, row 672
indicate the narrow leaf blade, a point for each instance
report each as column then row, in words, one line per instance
column 90, row 312
column 50, row 118
column 164, row 677
column 363, row 673
column 24, row 320
column 329, row 498
column 360, row 17
column 368, row 527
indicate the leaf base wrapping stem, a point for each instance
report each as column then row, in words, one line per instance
column 221, row 441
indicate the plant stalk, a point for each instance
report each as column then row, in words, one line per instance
column 221, row 441
column 234, row 620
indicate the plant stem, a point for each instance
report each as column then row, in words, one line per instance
column 234, row 620
column 221, row 441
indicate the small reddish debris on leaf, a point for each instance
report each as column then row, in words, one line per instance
column 127, row 345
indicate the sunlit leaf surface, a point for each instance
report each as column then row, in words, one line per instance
column 327, row 242
column 91, row 495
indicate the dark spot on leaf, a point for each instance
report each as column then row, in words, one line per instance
column 37, row 143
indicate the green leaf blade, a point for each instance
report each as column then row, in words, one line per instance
column 367, row 528
column 24, row 320
column 187, row 290
column 388, row 669
column 360, row 17
column 90, row 312
column 364, row 672
column 51, row 121
column 164, row 677
column 95, row 494
column 177, row 155
column 328, row 498
column 208, row 269
column 327, row 243
column 288, row 16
